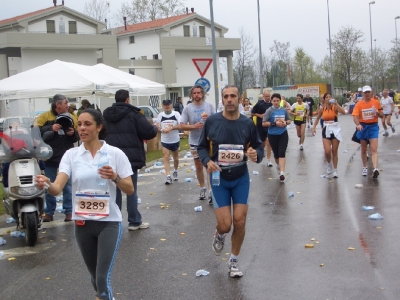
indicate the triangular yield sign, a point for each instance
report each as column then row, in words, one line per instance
column 202, row 65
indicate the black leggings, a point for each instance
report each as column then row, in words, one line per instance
column 279, row 144
column 98, row 242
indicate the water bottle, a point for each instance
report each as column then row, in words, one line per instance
column 215, row 178
column 2, row 241
column 103, row 161
column 10, row 220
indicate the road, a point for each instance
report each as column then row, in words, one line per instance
column 161, row 262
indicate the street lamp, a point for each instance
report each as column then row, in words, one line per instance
column 330, row 49
column 372, row 56
column 398, row 55
column 259, row 46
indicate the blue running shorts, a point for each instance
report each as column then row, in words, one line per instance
column 369, row 131
column 231, row 192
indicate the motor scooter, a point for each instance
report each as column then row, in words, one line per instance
column 21, row 150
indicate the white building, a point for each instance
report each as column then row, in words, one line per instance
column 57, row 32
column 175, row 51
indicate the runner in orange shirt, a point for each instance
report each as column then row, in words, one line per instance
column 365, row 115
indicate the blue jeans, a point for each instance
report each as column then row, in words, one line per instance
column 134, row 216
column 51, row 202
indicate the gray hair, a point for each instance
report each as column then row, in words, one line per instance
column 229, row 86
column 57, row 99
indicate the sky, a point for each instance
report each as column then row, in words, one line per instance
column 302, row 23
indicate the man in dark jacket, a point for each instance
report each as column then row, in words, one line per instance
column 126, row 130
column 178, row 105
column 60, row 140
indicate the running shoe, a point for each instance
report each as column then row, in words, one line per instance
column 393, row 130
column 375, row 174
column 386, row 133
column 364, row 172
column 301, row 147
column 269, row 163
column 233, row 269
column 335, row 174
column 329, row 169
column 218, row 243
column 210, row 200
column 282, row 178
column 169, row 180
column 203, row 192
column 175, row 175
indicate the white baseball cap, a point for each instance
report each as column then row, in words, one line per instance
column 366, row 88
column 360, row 89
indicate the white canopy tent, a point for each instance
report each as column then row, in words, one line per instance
column 72, row 80
column 138, row 86
column 58, row 77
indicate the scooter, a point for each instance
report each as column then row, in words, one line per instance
column 21, row 150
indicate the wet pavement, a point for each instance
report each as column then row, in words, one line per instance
column 161, row 262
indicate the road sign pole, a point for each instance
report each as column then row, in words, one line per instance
column 214, row 53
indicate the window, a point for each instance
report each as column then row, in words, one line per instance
column 186, row 30
column 143, row 57
column 132, row 39
column 72, row 27
column 202, row 30
column 186, row 91
column 61, row 26
column 194, row 30
column 51, row 26
column 155, row 56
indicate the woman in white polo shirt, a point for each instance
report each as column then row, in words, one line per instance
column 98, row 226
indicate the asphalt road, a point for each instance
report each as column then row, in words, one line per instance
column 161, row 262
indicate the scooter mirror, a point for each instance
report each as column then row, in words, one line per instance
column 48, row 135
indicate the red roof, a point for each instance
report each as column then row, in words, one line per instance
column 21, row 17
column 152, row 24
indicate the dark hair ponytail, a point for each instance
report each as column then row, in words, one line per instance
column 99, row 120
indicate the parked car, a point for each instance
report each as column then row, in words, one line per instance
column 149, row 111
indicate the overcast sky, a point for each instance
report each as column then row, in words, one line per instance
column 303, row 23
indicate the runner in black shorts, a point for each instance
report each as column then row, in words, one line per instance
column 310, row 101
column 258, row 110
column 299, row 110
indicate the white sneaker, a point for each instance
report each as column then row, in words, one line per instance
column 329, row 169
column 203, row 192
column 335, row 174
column 233, row 269
column 301, row 147
column 269, row 163
column 364, row 172
column 169, row 180
column 175, row 175
column 144, row 225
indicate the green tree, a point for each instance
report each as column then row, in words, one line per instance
column 303, row 66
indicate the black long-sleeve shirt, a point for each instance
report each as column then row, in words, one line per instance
column 218, row 130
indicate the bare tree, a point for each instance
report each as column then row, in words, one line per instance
column 97, row 9
column 280, row 53
column 347, row 54
column 243, row 59
column 382, row 67
column 138, row 11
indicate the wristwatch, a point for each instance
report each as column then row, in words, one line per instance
column 117, row 179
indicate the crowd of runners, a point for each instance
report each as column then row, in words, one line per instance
column 221, row 144
column 239, row 132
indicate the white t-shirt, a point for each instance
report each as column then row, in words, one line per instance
column 81, row 168
column 166, row 121
column 387, row 105
column 192, row 114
